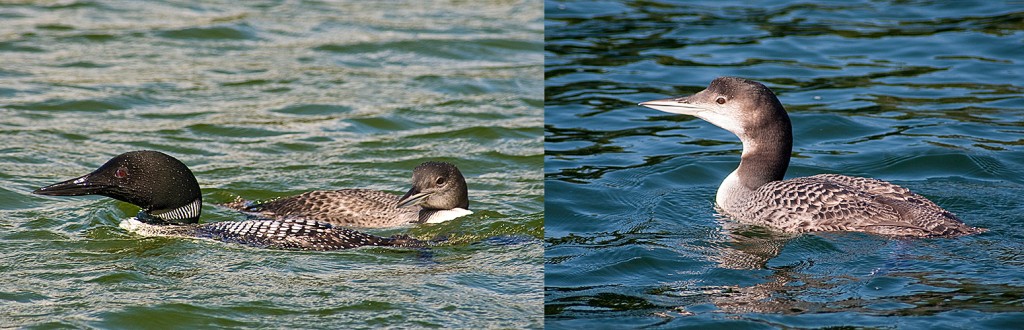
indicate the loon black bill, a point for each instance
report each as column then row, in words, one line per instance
column 75, row 187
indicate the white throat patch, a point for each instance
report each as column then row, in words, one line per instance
column 446, row 215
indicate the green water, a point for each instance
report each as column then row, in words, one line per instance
column 927, row 95
column 272, row 98
column 265, row 99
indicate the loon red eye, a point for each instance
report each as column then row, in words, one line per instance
column 720, row 100
column 121, row 173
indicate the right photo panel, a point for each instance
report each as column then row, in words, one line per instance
column 784, row 164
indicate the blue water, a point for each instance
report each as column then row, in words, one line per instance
column 263, row 99
column 925, row 95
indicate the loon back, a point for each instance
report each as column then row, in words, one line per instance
column 756, row 192
column 438, row 194
column 346, row 207
column 275, row 234
column 170, row 198
column 833, row 202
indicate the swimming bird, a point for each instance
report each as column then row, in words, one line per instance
column 171, row 203
column 755, row 193
column 438, row 194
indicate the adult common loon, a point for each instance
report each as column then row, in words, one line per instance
column 756, row 193
column 169, row 196
column 438, row 194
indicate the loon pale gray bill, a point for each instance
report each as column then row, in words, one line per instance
column 756, row 193
column 169, row 196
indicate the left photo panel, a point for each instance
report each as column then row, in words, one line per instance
column 333, row 164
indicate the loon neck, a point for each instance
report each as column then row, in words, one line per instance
column 185, row 214
column 765, row 159
column 766, row 156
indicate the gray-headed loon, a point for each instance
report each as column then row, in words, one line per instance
column 438, row 194
column 755, row 193
column 169, row 196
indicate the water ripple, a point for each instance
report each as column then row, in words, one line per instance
column 924, row 95
column 261, row 100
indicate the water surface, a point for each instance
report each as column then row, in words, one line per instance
column 925, row 95
column 265, row 99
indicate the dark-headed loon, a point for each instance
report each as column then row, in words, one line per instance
column 438, row 194
column 169, row 196
column 756, row 193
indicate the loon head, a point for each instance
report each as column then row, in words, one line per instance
column 437, row 185
column 161, row 185
column 741, row 106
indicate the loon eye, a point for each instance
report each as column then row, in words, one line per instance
column 439, row 181
column 121, row 173
column 720, row 100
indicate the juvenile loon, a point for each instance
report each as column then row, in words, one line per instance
column 169, row 196
column 438, row 194
column 756, row 193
